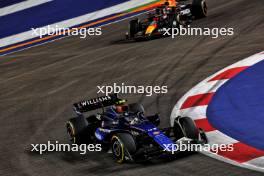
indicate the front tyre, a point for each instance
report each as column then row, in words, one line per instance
column 199, row 8
column 189, row 128
column 203, row 136
column 177, row 130
column 123, row 147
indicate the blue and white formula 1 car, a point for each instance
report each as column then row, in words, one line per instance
column 127, row 131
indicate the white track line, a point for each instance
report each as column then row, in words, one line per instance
column 198, row 112
column 21, row 6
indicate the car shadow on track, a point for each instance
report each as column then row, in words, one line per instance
column 126, row 41
column 109, row 166
column 103, row 163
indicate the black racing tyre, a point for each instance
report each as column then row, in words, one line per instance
column 123, row 145
column 189, row 127
column 177, row 130
column 203, row 136
column 136, row 107
column 199, row 8
column 77, row 130
column 172, row 21
column 176, row 22
column 134, row 27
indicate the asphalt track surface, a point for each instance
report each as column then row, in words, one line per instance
column 39, row 85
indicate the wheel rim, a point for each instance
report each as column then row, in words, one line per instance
column 178, row 19
column 70, row 133
column 118, row 149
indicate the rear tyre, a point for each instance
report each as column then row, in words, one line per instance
column 123, row 147
column 77, row 130
column 189, row 128
column 199, row 8
column 134, row 27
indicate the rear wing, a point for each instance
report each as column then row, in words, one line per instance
column 96, row 103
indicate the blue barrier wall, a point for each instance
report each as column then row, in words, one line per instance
column 5, row 3
column 49, row 13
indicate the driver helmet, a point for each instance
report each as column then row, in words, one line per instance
column 166, row 3
column 121, row 108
